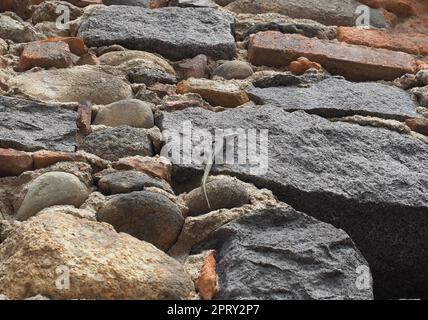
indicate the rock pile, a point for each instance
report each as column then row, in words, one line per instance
column 218, row 149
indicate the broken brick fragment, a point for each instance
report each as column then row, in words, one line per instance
column 207, row 281
column 419, row 125
column 14, row 162
column 45, row 55
column 45, row 158
column 76, row 44
column 413, row 43
column 84, row 120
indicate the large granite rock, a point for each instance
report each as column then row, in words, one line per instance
column 175, row 33
column 329, row 12
column 116, row 143
column 334, row 97
column 65, row 257
column 371, row 182
column 30, row 126
column 286, row 255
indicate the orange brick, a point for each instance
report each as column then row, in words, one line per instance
column 354, row 62
column 44, row 158
column 415, row 43
column 45, row 55
column 14, row 162
column 76, row 44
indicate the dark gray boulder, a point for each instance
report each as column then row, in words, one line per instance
column 29, row 126
column 283, row 254
column 175, row 33
column 120, row 142
column 334, row 97
column 371, row 182
column 148, row 216
column 224, row 193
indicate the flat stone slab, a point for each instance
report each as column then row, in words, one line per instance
column 359, row 63
column 334, row 97
column 371, row 182
column 30, row 126
column 309, row 259
column 175, row 33
column 328, row 12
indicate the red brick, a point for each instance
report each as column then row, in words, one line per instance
column 162, row 89
column 84, row 120
column 153, row 166
column 153, row 4
column 76, row 44
column 45, row 55
column 418, row 125
column 192, row 68
column 44, row 158
column 413, row 43
column 14, row 162
column 207, row 281
column 354, row 62
column 88, row 58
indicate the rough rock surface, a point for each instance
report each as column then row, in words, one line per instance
column 364, row 180
column 102, row 263
column 307, row 258
column 129, row 181
column 115, row 143
column 337, row 97
column 29, row 126
column 145, row 215
column 329, row 12
column 176, row 33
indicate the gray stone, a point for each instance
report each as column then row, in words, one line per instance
column 175, row 33
column 328, row 12
column 221, row 194
column 30, row 126
column 115, row 143
column 12, row 27
column 234, row 70
column 194, row 3
column 286, row 255
column 423, row 77
column 335, row 97
column 129, row 181
column 133, row 113
column 421, row 95
column 148, row 216
column 139, row 71
column 50, row 189
column 371, row 182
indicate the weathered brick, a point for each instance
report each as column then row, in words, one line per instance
column 354, row 62
column 45, row 158
column 414, row 43
column 418, row 125
column 45, row 55
column 76, row 44
column 14, row 162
